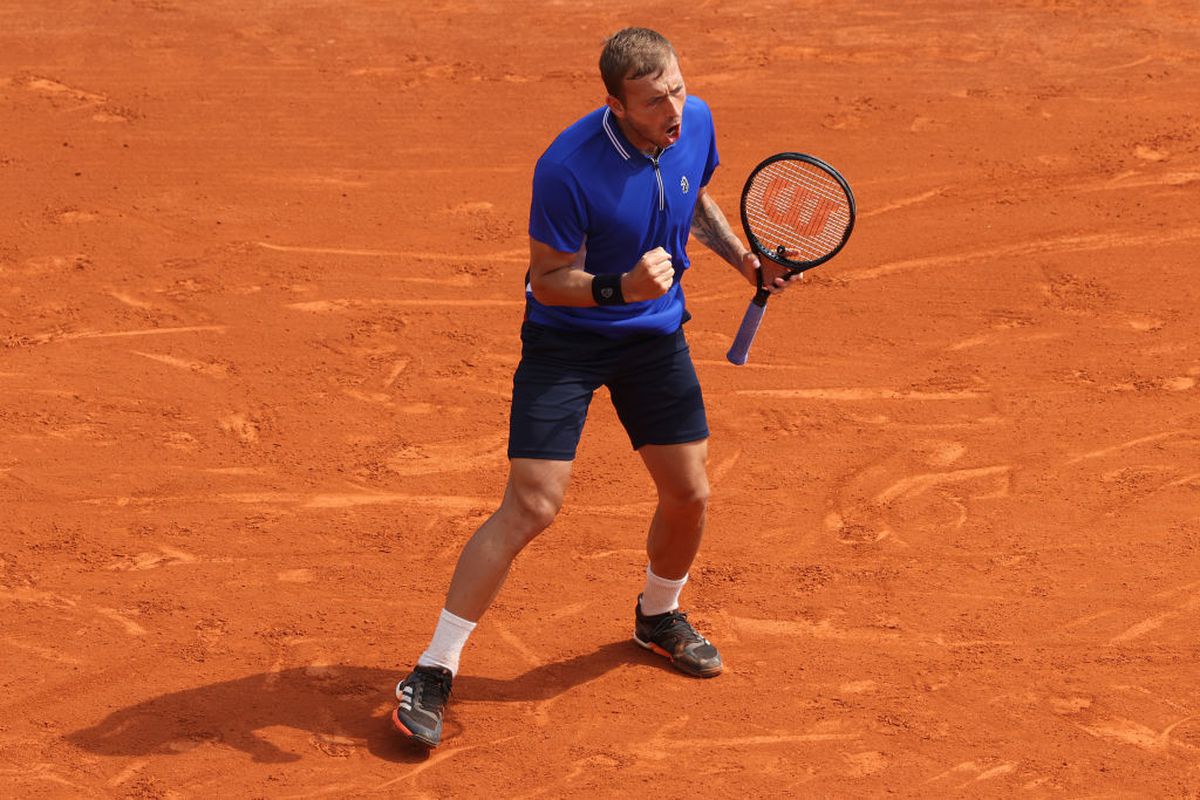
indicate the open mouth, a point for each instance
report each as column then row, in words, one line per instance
column 673, row 131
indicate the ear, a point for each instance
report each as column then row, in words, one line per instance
column 615, row 105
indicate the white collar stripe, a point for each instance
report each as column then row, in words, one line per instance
column 612, row 135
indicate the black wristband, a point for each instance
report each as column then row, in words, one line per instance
column 606, row 290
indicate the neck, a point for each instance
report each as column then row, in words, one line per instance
column 644, row 146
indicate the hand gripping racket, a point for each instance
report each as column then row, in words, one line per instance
column 798, row 212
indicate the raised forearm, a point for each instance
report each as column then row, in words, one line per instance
column 711, row 229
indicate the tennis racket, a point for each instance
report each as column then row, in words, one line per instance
column 797, row 212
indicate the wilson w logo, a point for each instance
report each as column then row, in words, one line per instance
column 797, row 208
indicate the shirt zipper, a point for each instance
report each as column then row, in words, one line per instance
column 658, row 176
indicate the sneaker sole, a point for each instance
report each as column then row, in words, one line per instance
column 421, row 740
column 684, row 668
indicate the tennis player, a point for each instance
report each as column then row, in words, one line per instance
column 615, row 197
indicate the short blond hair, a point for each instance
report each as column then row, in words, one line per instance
column 633, row 53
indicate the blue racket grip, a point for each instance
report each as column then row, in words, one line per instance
column 745, row 336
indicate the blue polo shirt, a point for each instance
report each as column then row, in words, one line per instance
column 593, row 190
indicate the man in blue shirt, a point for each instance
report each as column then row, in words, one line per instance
column 615, row 198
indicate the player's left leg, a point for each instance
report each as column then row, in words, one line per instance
column 680, row 475
column 658, row 399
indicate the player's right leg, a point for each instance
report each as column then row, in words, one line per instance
column 531, row 500
column 552, row 389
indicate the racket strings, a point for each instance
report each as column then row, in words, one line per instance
column 799, row 207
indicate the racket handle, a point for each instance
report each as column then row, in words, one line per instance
column 740, row 348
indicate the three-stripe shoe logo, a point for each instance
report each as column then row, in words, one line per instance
column 405, row 698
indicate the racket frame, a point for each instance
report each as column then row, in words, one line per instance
column 739, row 351
column 794, row 267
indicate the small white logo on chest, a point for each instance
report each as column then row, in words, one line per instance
column 683, row 184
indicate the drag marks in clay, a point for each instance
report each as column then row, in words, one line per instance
column 1081, row 243
column 59, row 92
column 70, row 606
column 874, row 504
column 207, row 369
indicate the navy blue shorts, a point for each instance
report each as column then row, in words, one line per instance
column 651, row 380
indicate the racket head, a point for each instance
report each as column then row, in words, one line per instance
column 797, row 210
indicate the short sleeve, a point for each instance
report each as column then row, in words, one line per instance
column 713, row 159
column 557, row 214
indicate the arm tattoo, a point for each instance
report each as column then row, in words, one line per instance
column 712, row 229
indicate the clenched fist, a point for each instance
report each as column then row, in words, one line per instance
column 651, row 277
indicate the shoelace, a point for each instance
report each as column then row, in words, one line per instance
column 676, row 624
column 433, row 689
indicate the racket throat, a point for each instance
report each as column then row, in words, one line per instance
column 761, row 294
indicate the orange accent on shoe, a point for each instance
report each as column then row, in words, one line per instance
column 398, row 724
column 656, row 649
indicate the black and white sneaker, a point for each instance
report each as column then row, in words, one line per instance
column 422, row 699
column 672, row 636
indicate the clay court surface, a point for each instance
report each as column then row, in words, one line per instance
column 261, row 275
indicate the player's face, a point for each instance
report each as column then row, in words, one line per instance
column 651, row 113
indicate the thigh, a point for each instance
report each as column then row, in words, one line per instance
column 657, row 394
column 551, row 393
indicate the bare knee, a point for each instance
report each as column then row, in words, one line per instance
column 532, row 500
column 527, row 511
column 687, row 499
column 538, row 507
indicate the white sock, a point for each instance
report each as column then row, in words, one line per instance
column 660, row 594
column 449, row 638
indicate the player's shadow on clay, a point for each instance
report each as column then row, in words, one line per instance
column 341, row 708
